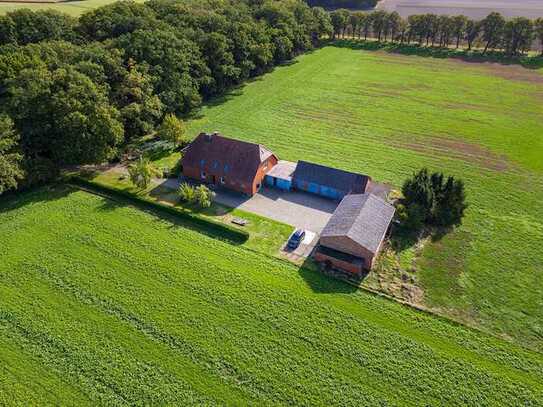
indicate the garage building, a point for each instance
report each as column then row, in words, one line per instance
column 329, row 182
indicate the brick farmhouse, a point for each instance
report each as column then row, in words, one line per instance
column 226, row 162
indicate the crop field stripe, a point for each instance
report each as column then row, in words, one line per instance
column 160, row 313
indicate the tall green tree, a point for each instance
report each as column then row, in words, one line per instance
column 354, row 23
column 34, row 26
column 172, row 129
column 518, row 36
column 436, row 201
column 139, row 107
column 116, row 19
column 473, row 31
column 392, row 25
column 338, row 19
column 63, row 116
column 492, row 27
column 459, row 25
column 7, row 31
column 367, row 25
column 10, row 159
column 538, row 27
column 379, row 19
column 322, row 22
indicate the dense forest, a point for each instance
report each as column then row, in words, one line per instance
column 72, row 91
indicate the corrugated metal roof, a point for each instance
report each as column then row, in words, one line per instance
column 226, row 156
column 345, row 181
column 364, row 218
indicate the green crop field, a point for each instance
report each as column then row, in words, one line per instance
column 102, row 303
column 74, row 8
column 388, row 115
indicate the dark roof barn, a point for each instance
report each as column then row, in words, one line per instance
column 344, row 181
column 363, row 219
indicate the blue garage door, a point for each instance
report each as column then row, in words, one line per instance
column 313, row 188
column 269, row 181
column 331, row 193
column 283, row 184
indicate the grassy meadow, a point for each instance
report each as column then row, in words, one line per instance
column 387, row 116
column 102, row 303
column 73, row 8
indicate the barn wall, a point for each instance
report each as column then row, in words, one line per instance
column 235, row 185
column 261, row 173
column 340, row 264
column 347, row 245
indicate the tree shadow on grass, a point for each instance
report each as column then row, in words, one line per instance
column 14, row 200
column 401, row 239
column 474, row 56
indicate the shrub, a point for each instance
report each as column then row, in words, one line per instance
column 187, row 192
column 142, row 171
column 203, row 196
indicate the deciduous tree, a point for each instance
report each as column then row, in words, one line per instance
column 142, row 171
column 10, row 158
column 492, row 27
column 172, row 129
column 459, row 26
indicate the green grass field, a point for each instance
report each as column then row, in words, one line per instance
column 74, row 8
column 388, row 115
column 106, row 304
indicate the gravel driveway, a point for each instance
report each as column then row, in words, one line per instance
column 299, row 209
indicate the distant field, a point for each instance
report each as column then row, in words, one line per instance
column 471, row 8
column 388, row 115
column 103, row 304
column 74, row 8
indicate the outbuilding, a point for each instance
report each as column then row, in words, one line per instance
column 354, row 235
column 280, row 176
column 326, row 181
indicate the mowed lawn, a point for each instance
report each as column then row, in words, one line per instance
column 106, row 304
column 74, row 8
column 389, row 115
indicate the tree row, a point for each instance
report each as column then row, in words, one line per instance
column 512, row 36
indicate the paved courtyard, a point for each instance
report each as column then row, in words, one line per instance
column 299, row 209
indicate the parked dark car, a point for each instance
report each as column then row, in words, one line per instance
column 296, row 239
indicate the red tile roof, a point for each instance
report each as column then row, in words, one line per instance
column 219, row 155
